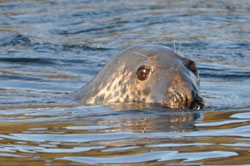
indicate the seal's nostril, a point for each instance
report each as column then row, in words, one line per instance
column 198, row 102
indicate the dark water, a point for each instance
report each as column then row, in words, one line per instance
column 48, row 49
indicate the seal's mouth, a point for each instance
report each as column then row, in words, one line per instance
column 180, row 100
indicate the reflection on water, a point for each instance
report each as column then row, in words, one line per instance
column 94, row 135
column 48, row 49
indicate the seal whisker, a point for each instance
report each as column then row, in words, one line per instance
column 179, row 51
column 174, row 47
column 140, row 54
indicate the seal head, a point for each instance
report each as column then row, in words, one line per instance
column 147, row 74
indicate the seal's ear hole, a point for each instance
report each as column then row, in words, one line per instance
column 191, row 66
column 143, row 73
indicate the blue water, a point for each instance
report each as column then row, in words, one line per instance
column 48, row 49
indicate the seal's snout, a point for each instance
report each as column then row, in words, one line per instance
column 183, row 93
column 197, row 101
column 185, row 99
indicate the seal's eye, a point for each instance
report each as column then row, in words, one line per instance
column 143, row 73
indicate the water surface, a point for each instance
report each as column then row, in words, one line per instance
column 48, row 49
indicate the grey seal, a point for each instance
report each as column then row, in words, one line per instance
column 145, row 74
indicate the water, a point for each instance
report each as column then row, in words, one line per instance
column 48, row 49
